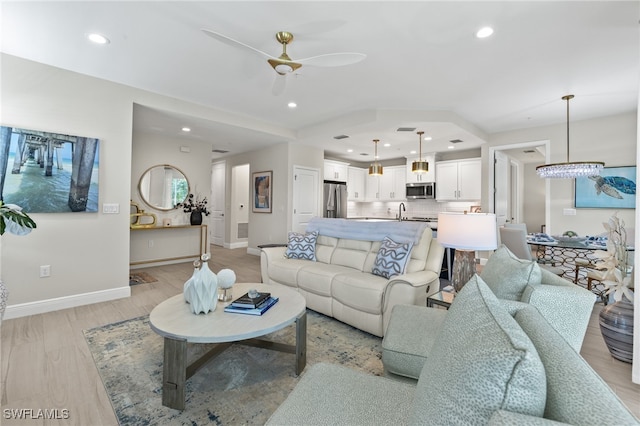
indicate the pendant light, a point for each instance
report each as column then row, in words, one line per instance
column 420, row 166
column 569, row 169
column 375, row 169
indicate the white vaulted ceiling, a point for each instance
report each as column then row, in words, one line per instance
column 424, row 67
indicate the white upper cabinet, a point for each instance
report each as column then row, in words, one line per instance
column 459, row 180
column 430, row 176
column 335, row 170
column 356, row 184
column 393, row 183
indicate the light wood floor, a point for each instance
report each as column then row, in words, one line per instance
column 46, row 363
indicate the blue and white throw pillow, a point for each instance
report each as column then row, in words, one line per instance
column 302, row 246
column 392, row 258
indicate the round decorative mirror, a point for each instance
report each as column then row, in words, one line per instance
column 163, row 186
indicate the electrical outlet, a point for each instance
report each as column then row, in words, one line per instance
column 150, row 243
column 45, row 271
column 569, row 212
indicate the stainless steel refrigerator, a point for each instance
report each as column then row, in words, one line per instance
column 335, row 199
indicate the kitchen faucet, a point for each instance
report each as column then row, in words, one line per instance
column 401, row 208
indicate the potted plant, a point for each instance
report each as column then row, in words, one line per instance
column 616, row 319
column 196, row 206
column 14, row 221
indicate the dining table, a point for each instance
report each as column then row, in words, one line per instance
column 562, row 252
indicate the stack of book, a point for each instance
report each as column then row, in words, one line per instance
column 252, row 305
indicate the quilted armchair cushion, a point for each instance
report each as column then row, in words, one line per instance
column 481, row 361
column 507, row 276
column 302, row 246
column 392, row 258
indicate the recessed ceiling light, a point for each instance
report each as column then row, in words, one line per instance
column 427, row 138
column 186, row 129
column 292, row 104
column 98, row 38
column 484, row 32
column 413, row 152
column 451, row 147
column 387, row 145
column 349, row 150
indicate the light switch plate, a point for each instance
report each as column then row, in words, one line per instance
column 569, row 212
column 111, row 208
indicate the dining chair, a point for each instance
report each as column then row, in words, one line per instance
column 515, row 238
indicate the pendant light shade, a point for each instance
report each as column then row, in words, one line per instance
column 569, row 169
column 420, row 166
column 375, row 169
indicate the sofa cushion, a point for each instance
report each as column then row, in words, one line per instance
column 569, row 376
column 507, row 276
column 481, row 361
column 330, row 394
column 285, row 271
column 317, row 277
column 392, row 258
column 302, row 246
column 361, row 291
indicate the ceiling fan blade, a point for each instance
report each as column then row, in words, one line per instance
column 333, row 59
column 232, row 42
column 279, row 85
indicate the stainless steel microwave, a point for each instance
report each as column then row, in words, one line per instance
column 421, row 190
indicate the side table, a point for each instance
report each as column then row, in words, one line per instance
column 441, row 298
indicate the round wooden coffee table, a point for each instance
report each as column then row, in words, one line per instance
column 173, row 320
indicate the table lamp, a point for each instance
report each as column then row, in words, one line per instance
column 466, row 233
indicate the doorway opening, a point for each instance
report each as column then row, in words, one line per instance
column 517, row 194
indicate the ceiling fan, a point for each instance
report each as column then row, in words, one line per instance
column 283, row 64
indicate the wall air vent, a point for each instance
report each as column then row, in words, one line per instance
column 341, row 137
column 456, row 141
column 406, row 129
column 529, row 151
column 220, row 151
column 364, row 154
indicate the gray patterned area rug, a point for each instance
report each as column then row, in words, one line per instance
column 242, row 386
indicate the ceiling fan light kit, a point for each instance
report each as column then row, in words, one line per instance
column 375, row 169
column 420, row 166
column 569, row 169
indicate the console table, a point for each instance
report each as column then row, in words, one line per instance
column 201, row 248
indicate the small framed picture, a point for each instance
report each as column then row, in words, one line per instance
column 262, row 191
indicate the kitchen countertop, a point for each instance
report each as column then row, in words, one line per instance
column 431, row 224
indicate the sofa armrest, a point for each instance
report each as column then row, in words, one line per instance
column 509, row 418
column 266, row 255
column 566, row 308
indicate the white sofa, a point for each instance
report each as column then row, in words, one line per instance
column 340, row 283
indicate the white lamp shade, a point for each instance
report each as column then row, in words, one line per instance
column 470, row 231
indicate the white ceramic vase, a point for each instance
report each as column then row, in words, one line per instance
column 187, row 285
column 203, row 293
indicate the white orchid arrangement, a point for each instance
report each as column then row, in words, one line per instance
column 615, row 260
column 14, row 220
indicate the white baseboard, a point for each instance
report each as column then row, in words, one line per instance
column 239, row 244
column 49, row 305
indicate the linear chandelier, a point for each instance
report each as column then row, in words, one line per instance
column 569, row 169
column 420, row 166
column 375, row 169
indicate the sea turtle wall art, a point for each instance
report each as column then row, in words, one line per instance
column 614, row 188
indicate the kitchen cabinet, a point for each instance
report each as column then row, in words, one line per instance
column 388, row 187
column 430, row 176
column 356, row 184
column 335, row 170
column 459, row 180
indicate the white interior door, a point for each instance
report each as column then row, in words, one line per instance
column 501, row 185
column 306, row 196
column 216, row 219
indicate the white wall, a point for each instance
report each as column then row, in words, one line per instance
column 533, row 199
column 240, row 202
column 609, row 139
column 89, row 252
